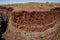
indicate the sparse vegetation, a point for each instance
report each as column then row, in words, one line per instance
column 34, row 6
column 41, row 34
column 4, row 35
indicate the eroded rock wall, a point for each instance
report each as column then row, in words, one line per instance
column 34, row 25
column 33, row 18
column 5, row 12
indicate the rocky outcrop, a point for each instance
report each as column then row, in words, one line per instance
column 5, row 12
column 34, row 25
column 24, row 19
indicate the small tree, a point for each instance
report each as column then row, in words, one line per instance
column 47, row 2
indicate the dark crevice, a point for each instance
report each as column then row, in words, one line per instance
column 3, row 26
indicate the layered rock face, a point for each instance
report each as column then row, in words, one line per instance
column 34, row 25
column 5, row 12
